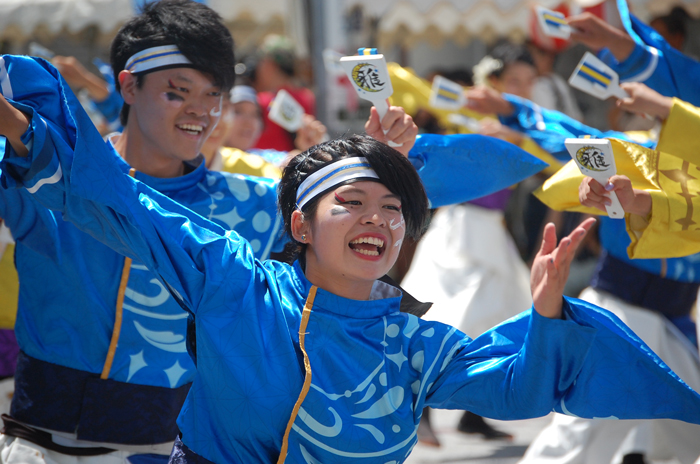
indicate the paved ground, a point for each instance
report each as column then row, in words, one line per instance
column 459, row 448
column 469, row 449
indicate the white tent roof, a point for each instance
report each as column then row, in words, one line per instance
column 23, row 17
column 406, row 21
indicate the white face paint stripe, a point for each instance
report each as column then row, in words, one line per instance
column 49, row 180
column 216, row 111
column 5, row 80
column 398, row 242
column 393, row 226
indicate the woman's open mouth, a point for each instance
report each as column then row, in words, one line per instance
column 371, row 247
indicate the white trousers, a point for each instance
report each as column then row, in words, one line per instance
column 468, row 266
column 571, row 440
column 19, row 451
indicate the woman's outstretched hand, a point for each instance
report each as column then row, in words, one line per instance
column 550, row 269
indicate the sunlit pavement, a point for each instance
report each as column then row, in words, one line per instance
column 470, row 449
column 457, row 447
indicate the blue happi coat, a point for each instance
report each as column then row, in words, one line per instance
column 371, row 369
column 69, row 284
column 70, row 281
column 654, row 62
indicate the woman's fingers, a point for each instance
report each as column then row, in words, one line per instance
column 592, row 194
column 564, row 253
column 549, row 240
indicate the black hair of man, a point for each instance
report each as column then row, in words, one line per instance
column 676, row 21
column 197, row 31
column 395, row 172
column 509, row 53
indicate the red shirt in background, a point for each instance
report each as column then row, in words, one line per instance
column 274, row 136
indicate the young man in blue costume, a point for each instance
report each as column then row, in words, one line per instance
column 104, row 364
column 643, row 292
column 314, row 361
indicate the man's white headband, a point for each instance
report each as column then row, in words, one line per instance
column 156, row 57
column 332, row 175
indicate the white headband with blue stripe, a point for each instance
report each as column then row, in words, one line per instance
column 156, row 57
column 332, row 175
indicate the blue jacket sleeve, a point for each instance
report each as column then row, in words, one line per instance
column 462, row 167
column 654, row 62
column 70, row 169
column 645, row 64
column 582, row 366
column 28, row 221
column 549, row 128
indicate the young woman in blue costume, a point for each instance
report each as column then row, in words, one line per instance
column 314, row 361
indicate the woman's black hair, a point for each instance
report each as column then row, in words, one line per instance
column 197, row 30
column 395, row 172
column 509, row 53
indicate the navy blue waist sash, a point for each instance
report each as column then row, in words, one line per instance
column 70, row 400
column 181, row 454
column 640, row 288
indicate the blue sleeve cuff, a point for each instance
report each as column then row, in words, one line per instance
column 570, row 339
column 640, row 63
column 522, row 117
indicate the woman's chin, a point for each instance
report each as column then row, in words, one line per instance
column 369, row 267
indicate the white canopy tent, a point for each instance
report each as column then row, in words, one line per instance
column 21, row 20
column 405, row 22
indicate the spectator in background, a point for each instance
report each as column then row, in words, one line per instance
column 672, row 27
column 274, row 71
column 230, row 145
column 238, row 129
column 550, row 90
column 247, row 116
column 100, row 90
column 509, row 68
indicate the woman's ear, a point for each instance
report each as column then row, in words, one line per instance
column 127, row 85
column 300, row 227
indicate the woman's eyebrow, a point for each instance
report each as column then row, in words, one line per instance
column 351, row 189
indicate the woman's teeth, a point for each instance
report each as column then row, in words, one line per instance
column 368, row 252
column 370, row 240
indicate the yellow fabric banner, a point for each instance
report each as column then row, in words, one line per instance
column 413, row 93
